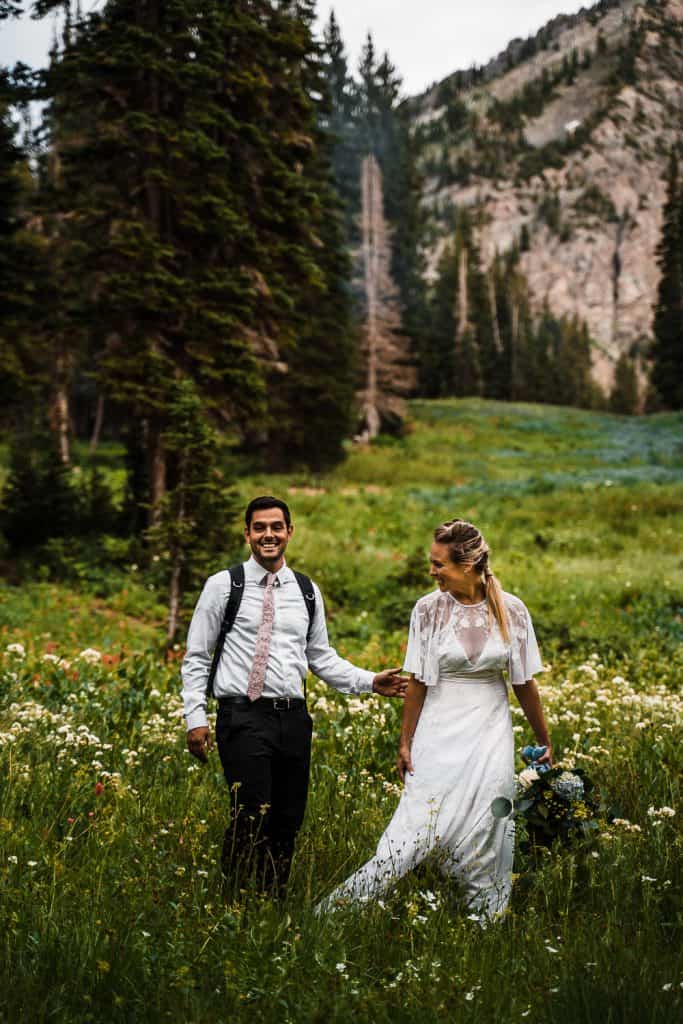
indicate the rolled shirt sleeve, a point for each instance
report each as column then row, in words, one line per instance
column 324, row 661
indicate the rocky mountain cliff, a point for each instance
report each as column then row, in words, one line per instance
column 560, row 146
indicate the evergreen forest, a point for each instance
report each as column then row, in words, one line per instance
column 193, row 274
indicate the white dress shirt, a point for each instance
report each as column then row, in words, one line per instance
column 289, row 656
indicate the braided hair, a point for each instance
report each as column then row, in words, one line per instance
column 466, row 546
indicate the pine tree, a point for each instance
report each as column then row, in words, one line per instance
column 25, row 373
column 437, row 358
column 39, row 500
column 149, row 223
column 340, row 123
column 200, row 195
column 385, row 130
column 195, row 509
column 387, row 373
column 667, row 350
column 624, row 394
column 312, row 405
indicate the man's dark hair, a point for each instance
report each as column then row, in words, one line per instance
column 266, row 501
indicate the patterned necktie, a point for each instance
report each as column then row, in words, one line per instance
column 257, row 676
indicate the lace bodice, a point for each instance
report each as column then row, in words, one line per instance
column 450, row 639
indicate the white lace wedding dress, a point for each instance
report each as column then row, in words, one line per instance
column 462, row 754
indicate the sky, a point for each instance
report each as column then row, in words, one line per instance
column 426, row 39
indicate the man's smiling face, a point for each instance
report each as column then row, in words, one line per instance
column 268, row 536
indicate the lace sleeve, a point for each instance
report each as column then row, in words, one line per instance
column 428, row 618
column 524, row 660
column 414, row 662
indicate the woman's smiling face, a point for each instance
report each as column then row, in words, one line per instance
column 456, row 579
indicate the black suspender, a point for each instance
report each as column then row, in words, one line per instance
column 232, row 607
column 306, row 588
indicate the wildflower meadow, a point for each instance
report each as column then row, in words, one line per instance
column 112, row 907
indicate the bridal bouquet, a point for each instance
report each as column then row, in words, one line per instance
column 557, row 803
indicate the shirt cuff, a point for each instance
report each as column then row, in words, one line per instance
column 365, row 680
column 196, row 719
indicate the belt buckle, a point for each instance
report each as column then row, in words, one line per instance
column 281, row 703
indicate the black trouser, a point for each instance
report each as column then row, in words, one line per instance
column 265, row 750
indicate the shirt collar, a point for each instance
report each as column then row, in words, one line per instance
column 257, row 574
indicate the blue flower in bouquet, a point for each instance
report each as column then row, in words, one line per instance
column 568, row 786
column 530, row 756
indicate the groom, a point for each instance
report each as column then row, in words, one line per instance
column 263, row 728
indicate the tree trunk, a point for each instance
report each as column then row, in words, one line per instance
column 97, row 428
column 370, row 267
column 494, row 314
column 157, row 475
column 60, row 419
column 174, row 590
column 389, row 373
column 174, row 595
column 59, row 413
column 514, row 328
column 463, row 312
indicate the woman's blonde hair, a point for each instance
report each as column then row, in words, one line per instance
column 466, row 546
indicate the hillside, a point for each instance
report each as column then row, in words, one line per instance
column 562, row 143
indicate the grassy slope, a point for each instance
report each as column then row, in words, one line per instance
column 110, row 908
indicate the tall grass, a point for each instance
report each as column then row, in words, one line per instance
column 112, row 908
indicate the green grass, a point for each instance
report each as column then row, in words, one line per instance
column 110, row 904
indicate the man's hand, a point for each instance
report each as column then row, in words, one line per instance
column 403, row 760
column 390, row 683
column 199, row 742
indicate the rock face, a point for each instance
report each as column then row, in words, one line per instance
column 596, row 257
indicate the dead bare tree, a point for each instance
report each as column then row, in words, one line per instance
column 388, row 371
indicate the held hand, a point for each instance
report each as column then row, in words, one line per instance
column 390, row 683
column 546, row 758
column 403, row 761
column 199, row 742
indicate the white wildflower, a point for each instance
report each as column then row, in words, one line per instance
column 661, row 812
column 90, row 655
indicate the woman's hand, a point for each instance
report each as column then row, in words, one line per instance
column 547, row 758
column 403, row 761
column 530, row 702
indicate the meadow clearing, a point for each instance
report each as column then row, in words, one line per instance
column 111, row 907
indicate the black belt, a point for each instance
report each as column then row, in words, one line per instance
column 274, row 703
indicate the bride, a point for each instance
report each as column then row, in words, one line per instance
column 455, row 752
